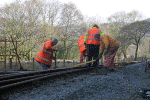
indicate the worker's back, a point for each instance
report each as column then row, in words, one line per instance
column 81, row 43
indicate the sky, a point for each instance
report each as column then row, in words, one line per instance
column 104, row 8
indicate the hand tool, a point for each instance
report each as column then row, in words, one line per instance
column 83, row 63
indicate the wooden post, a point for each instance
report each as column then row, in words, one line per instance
column 149, row 46
column 5, row 55
column 10, row 61
column 16, row 56
column 33, row 63
column 64, row 63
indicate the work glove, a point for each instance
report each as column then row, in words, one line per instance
column 53, row 48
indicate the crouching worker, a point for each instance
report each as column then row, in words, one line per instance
column 109, row 47
column 45, row 55
column 82, row 48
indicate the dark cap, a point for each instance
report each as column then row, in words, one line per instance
column 95, row 25
column 55, row 41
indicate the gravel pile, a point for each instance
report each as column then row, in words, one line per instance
column 125, row 83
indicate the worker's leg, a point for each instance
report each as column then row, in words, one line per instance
column 95, row 55
column 107, row 61
column 85, row 55
column 44, row 67
column 81, row 57
column 50, row 63
column 113, row 53
column 92, row 51
column 109, row 58
column 89, row 54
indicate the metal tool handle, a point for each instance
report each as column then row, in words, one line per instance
column 83, row 63
column 55, row 59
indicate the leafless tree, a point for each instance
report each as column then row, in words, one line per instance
column 135, row 32
column 116, row 22
column 68, row 28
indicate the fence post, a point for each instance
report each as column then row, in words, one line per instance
column 10, row 61
column 5, row 55
column 64, row 63
column 33, row 63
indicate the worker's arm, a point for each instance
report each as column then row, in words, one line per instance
column 48, row 46
column 106, row 42
column 85, row 38
column 102, row 48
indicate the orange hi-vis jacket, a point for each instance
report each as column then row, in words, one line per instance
column 81, row 44
column 90, row 36
column 45, row 55
column 107, row 42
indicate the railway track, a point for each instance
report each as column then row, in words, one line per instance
column 12, row 80
column 24, row 80
column 15, row 79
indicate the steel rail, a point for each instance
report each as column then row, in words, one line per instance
column 22, row 78
column 35, row 72
column 29, row 73
column 27, row 78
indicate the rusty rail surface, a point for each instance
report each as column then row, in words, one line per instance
column 22, row 78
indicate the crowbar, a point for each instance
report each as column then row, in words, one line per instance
column 55, row 60
column 83, row 63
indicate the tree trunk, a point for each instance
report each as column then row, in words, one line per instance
column 64, row 53
column 137, row 46
column 124, row 53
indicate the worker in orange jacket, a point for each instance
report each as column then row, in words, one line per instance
column 109, row 47
column 92, row 45
column 82, row 48
column 45, row 55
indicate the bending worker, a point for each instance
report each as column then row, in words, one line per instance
column 92, row 45
column 109, row 47
column 45, row 55
column 82, row 48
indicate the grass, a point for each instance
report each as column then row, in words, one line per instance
column 30, row 65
